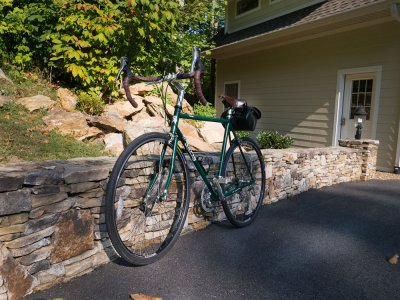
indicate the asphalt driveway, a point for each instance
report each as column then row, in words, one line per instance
column 331, row 243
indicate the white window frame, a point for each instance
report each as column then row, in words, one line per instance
column 233, row 82
column 247, row 12
column 272, row 2
column 341, row 81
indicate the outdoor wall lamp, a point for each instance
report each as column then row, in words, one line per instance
column 360, row 116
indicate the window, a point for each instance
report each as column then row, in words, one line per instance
column 232, row 89
column 243, row 6
column 273, row 1
column 361, row 95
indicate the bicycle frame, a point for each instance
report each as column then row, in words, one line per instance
column 176, row 136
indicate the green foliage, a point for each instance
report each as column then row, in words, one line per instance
column 90, row 102
column 204, row 110
column 243, row 134
column 79, row 42
column 273, row 140
column 24, row 137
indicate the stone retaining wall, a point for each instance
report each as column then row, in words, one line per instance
column 51, row 213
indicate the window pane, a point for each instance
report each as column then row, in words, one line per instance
column 369, row 85
column 355, row 86
column 368, row 98
column 363, row 84
column 361, row 99
column 354, row 99
column 232, row 89
column 243, row 6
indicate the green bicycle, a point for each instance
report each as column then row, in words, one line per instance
column 147, row 197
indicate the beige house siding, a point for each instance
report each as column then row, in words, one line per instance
column 264, row 12
column 295, row 86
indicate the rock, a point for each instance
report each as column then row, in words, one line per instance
column 189, row 131
column 109, row 122
column 29, row 239
column 114, row 143
column 68, row 100
column 15, row 202
column 92, row 134
column 199, row 145
column 73, row 235
column 12, row 229
column 153, row 100
column 36, row 102
column 39, row 266
column 82, row 187
column 40, row 224
column 67, row 123
column 125, row 109
column 13, row 219
column 137, row 128
column 139, row 89
column 17, row 281
column 10, row 182
column 51, row 274
column 36, row 256
column 88, row 170
column 30, row 248
column 47, row 199
column 3, row 77
column 4, row 100
column 212, row 132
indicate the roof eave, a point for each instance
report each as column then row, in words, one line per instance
column 357, row 18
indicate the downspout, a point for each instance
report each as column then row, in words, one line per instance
column 395, row 11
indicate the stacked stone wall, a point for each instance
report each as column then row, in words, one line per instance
column 52, row 213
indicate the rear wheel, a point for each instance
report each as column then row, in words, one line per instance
column 243, row 166
column 141, row 225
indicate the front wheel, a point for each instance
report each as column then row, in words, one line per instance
column 141, row 223
column 245, row 170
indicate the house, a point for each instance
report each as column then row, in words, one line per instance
column 308, row 64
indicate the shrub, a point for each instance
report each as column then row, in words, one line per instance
column 273, row 140
column 90, row 102
column 204, row 110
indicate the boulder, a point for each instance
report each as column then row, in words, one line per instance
column 125, row 109
column 197, row 144
column 68, row 100
column 92, row 134
column 68, row 123
column 139, row 89
column 36, row 102
column 3, row 77
column 212, row 132
column 137, row 128
column 4, row 100
column 109, row 122
column 188, row 130
column 114, row 143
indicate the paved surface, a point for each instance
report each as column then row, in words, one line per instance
column 331, row 243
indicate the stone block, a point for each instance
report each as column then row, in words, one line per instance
column 82, row 187
column 10, row 183
column 15, row 202
column 30, row 239
column 47, row 199
column 39, row 224
column 73, row 235
column 30, row 248
column 13, row 219
column 12, row 229
column 17, row 280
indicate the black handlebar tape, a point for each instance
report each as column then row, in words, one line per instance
column 197, row 87
column 184, row 75
column 132, row 77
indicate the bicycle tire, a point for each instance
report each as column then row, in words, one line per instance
column 242, row 208
column 142, row 228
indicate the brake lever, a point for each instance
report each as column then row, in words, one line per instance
column 124, row 63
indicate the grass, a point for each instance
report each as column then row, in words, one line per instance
column 23, row 136
column 26, row 85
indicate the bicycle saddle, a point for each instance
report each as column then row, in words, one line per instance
column 232, row 102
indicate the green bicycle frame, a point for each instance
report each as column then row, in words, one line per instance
column 176, row 136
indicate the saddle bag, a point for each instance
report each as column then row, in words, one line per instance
column 244, row 118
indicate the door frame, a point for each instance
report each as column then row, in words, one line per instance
column 341, row 82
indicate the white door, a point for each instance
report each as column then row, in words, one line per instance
column 359, row 91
